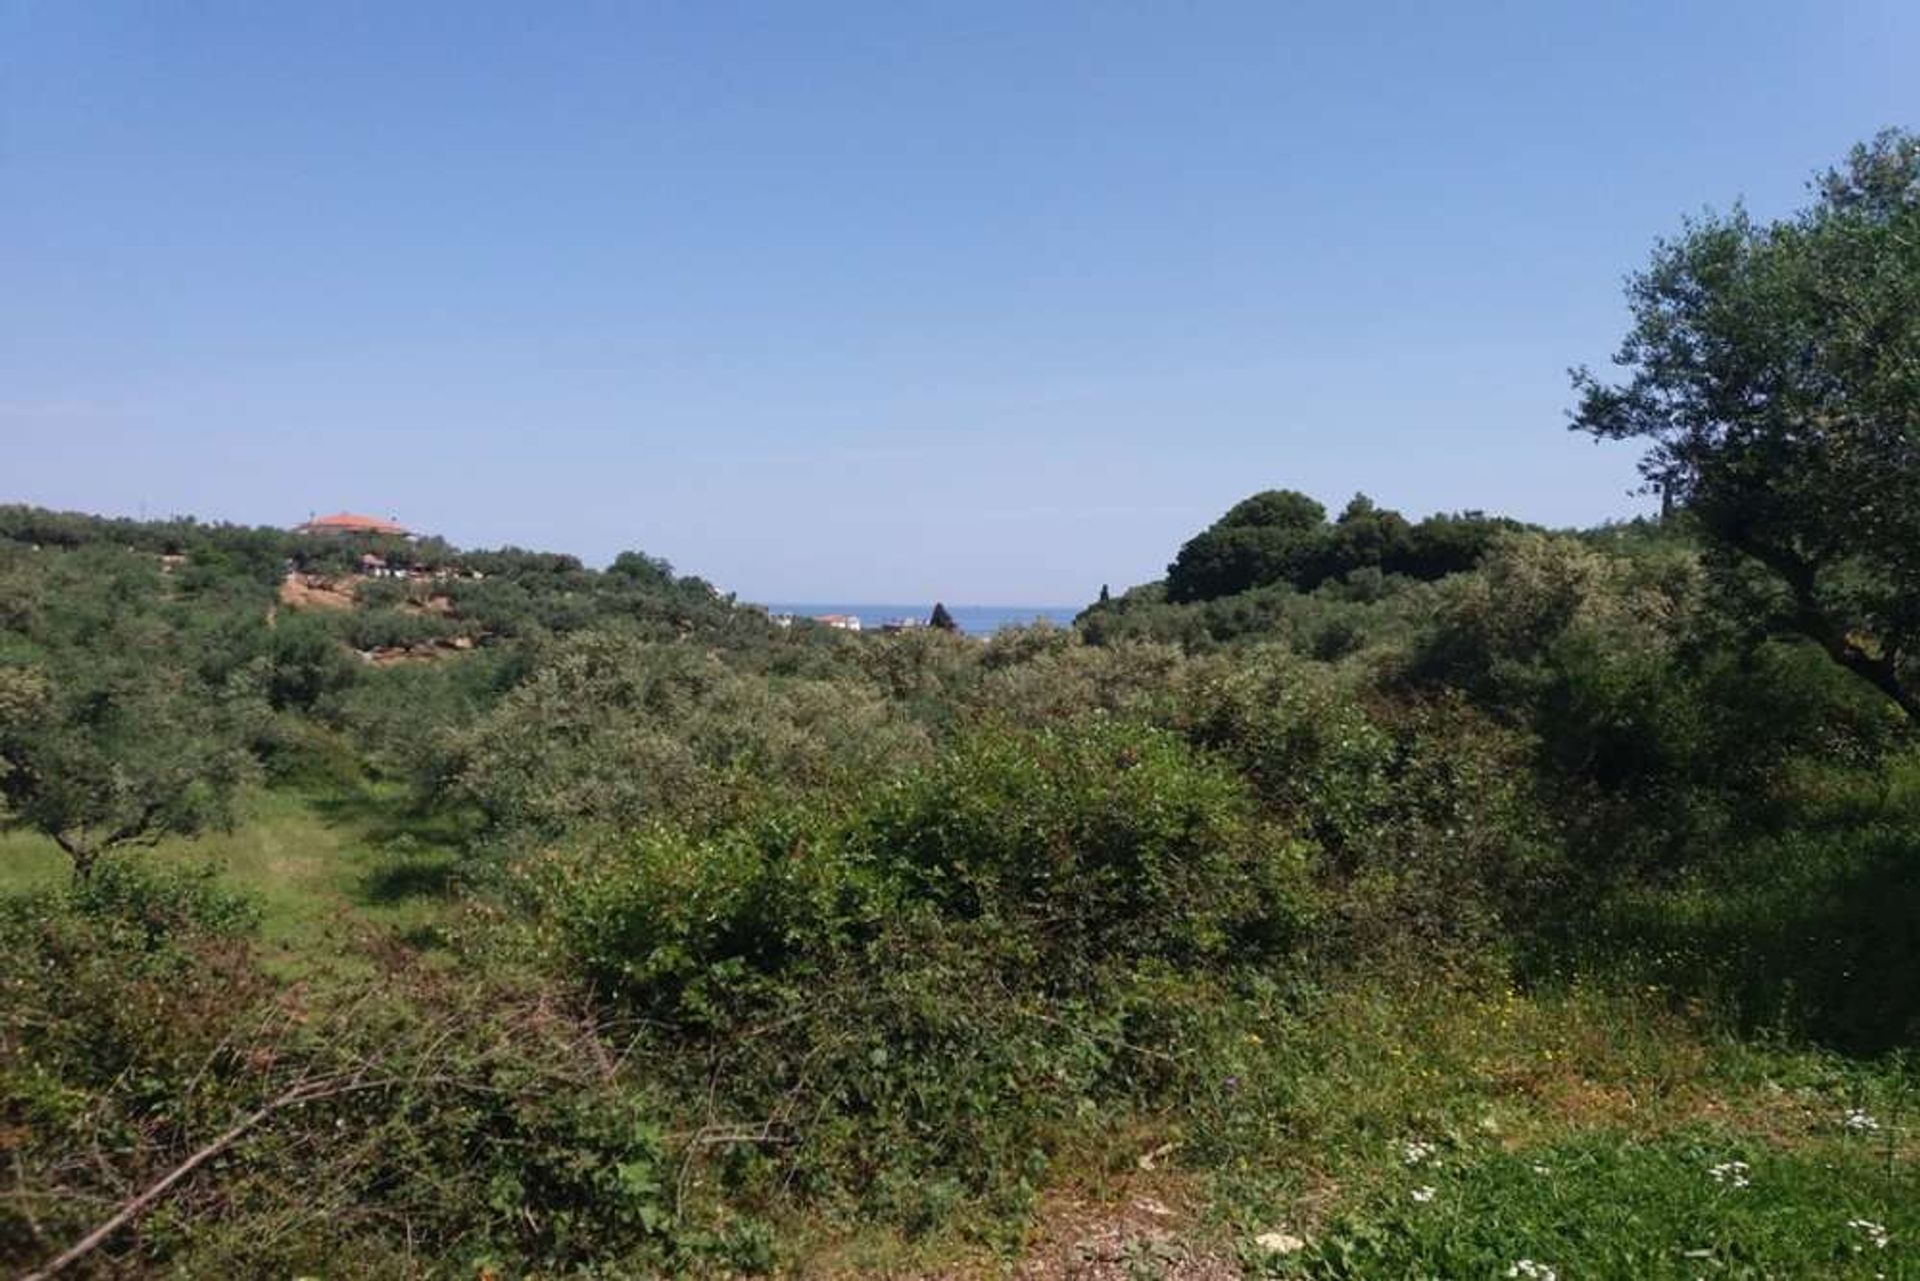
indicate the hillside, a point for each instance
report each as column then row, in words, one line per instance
column 1533, row 912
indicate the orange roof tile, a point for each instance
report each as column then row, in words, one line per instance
column 352, row 523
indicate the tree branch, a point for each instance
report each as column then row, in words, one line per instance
column 305, row 1092
column 1878, row 670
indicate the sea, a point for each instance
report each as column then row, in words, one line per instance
column 974, row 620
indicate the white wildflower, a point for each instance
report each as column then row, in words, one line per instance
column 1860, row 1121
column 1424, row 1195
column 1733, row 1173
column 1279, row 1243
column 1541, row 1169
column 1416, row 1151
column 1533, row 1271
column 1876, row 1232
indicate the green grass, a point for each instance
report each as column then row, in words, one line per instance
column 1578, row 1128
column 329, row 874
column 1603, row 1204
column 29, row 862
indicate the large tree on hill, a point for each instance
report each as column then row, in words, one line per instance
column 1283, row 536
column 1268, row 538
column 1775, row 370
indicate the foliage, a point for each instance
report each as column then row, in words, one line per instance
column 1602, row 1207
column 1775, row 371
column 112, row 729
column 138, row 1026
column 1431, row 839
column 1093, row 841
column 1066, row 850
column 1001, row 931
column 1282, row 536
column 612, row 729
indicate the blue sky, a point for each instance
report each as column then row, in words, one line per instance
column 989, row 302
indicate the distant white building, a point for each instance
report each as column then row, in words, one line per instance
column 840, row 622
column 373, row 566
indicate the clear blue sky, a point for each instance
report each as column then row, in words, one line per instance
column 989, row 302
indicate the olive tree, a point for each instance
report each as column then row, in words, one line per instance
column 116, row 750
column 1774, row 367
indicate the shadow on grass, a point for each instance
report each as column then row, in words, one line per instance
column 385, row 816
column 417, row 852
column 1814, row 936
column 428, row 876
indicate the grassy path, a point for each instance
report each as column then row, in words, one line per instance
column 324, row 870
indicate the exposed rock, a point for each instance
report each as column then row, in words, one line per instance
column 312, row 591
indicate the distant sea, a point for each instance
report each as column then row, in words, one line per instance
column 974, row 620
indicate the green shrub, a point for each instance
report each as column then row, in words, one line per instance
column 611, row 730
column 1091, row 842
column 917, row 997
column 1422, row 810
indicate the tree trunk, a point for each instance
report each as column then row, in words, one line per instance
column 1878, row 670
column 83, row 854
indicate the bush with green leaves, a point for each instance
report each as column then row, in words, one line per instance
column 610, row 729
column 1429, row 833
column 1090, row 843
column 927, row 990
column 1069, row 680
column 1071, row 849
column 1661, row 725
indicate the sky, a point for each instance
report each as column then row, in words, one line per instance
column 989, row 302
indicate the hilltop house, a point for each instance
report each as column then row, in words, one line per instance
column 349, row 524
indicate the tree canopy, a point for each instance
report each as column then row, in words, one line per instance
column 1775, row 370
column 123, row 709
column 1283, row 536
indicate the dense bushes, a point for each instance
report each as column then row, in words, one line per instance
column 1090, row 844
column 1058, row 854
column 1284, row 537
column 914, row 994
column 1422, row 813
column 611, row 729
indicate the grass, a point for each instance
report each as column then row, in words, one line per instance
column 1706, row 1202
column 1454, row 1134
column 328, row 873
column 1804, row 927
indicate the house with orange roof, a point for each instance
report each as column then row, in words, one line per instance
column 347, row 524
